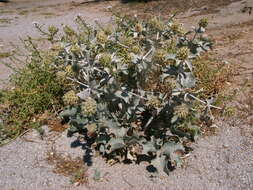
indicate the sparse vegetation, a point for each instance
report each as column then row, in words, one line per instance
column 5, row 21
column 24, row 12
column 245, row 103
column 211, row 75
column 68, row 167
column 5, row 54
column 36, row 89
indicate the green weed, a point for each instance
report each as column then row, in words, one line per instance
column 35, row 89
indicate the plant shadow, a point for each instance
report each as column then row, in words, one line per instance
column 86, row 146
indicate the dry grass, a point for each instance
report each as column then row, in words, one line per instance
column 5, row 55
column 24, row 12
column 55, row 124
column 68, row 167
column 5, row 21
column 245, row 103
column 212, row 76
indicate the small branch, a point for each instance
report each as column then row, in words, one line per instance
column 157, row 36
column 203, row 102
column 195, row 35
column 17, row 136
column 74, row 80
column 122, row 45
column 147, row 54
column 137, row 95
column 149, row 121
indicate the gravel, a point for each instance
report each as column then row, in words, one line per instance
column 220, row 162
column 223, row 161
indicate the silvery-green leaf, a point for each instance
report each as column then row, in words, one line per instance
column 80, row 121
column 115, row 128
column 123, row 95
column 202, row 30
column 120, row 106
column 119, row 132
column 102, row 139
column 161, row 164
column 115, row 144
column 69, row 112
column 133, row 139
column 102, row 149
column 178, row 62
column 170, row 148
column 84, row 94
column 72, row 129
column 171, row 56
column 210, row 101
column 174, row 119
column 187, row 80
column 189, row 65
column 148, row 147
column 195, row 131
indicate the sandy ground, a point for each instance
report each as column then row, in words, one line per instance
column 18, row 16
column 223, row 161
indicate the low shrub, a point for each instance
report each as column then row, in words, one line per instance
column 130, row 88
column 133, row 95
column 35, row 89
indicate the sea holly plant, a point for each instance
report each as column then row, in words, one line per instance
column 131, row 91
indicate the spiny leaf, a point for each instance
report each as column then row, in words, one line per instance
column 115, row 144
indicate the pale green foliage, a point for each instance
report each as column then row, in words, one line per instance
column 118, row 111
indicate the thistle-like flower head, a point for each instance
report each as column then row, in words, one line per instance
column 69, row 71
column 89, row 107
column 57, row 47
column 128, row 41
column 101, row 37
column 183, row 53
column 203, row 22
column 61, row 75
column 105, row 60
column 108, row 30
column 136, row 49
column 70, row 98
column 75, row 49
column 182, row 110
column 69, row 31
column 171, row 83
column 52, row 30
column 154, row 102
column 159, row 55
column 138, row 27
column 177, row 28
column 157, row 24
